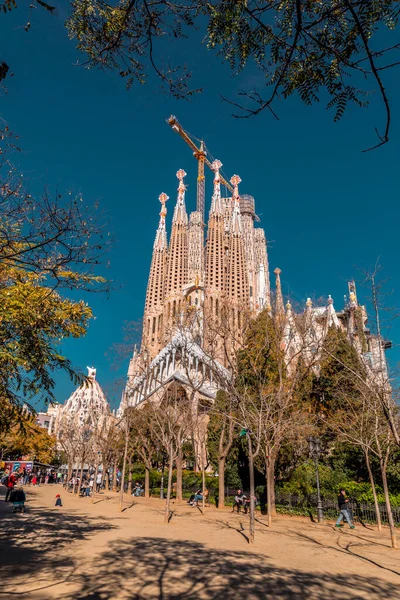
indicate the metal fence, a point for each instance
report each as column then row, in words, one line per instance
column 363, row 512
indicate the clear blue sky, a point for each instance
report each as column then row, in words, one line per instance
column 327, row 208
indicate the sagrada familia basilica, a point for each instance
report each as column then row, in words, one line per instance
column 222, row 279
column 203, row 290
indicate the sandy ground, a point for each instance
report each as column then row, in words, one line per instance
column 87, row 551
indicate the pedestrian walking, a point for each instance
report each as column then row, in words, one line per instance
column 343, row 503
column 10, row 484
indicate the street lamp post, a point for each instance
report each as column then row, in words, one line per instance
column 315, row 451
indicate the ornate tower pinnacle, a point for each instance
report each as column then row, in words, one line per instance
column 153, row 317
column 237, row 286
column 235, row 180
column 160, row 242
column 279, row 308
column 331, row 316
column 236, row 223
column 177, row 269
column 91, row 373
column 163, row 199
column 216, row 264
column 352, row 294
column 180, row 208
column 308, row 315
column 216, row 205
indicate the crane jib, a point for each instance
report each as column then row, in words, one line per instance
column 199, row 154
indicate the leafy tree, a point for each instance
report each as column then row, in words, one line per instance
column 334, row 379
column 172, row 425
column 143, row 442
column 33, row 320
column 352, row 408
column 46, row 247
column 220, row 437
column 269, row 406
column 26, row 438
column 335, row 51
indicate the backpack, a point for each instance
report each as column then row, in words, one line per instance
column 4, row 480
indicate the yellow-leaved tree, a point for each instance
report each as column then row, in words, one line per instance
column 47, row 246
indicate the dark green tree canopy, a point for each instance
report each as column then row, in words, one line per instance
column 336, row 379
column 261, row 354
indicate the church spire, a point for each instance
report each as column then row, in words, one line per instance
column 331, row 316
column 237, row 285
column 236, row 222
column 177, row 268
column 216, row 204
column 180, row 214
column 160, row 243
column 216, row 267
column 279, row 307
column 153, row 319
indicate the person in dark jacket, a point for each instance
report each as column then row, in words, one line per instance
column 343, row 503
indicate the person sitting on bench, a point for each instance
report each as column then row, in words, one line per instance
column 238, row 500
column 246, row 503
column 193, row 496
column 199, row 496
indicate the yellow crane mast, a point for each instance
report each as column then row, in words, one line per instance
column 200, row 154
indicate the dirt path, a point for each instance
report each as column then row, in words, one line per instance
column 87, row 551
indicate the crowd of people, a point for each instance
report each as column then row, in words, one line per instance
column 13, row 481
column 29, row 477
column 90, row 482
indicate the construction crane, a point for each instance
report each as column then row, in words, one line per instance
column 200, row 155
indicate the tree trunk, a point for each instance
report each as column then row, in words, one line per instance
column 221, row 482
column 252, row 506
column 372, row 482
column 80, row 478
column 168, row 500
column 96, row 472
column 203, row 479
column 114, row 483
column 69, row 471
column 106, row 476
column 272, row 488
column 147, row 482
column 270, row 481
column 130, row 476
column 122, row 485
column 388, row 506
column 162, row 480
column 195, row 463
column 179, row 460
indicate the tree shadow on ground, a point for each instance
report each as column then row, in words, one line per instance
column 161, row 569
column 31, row 543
